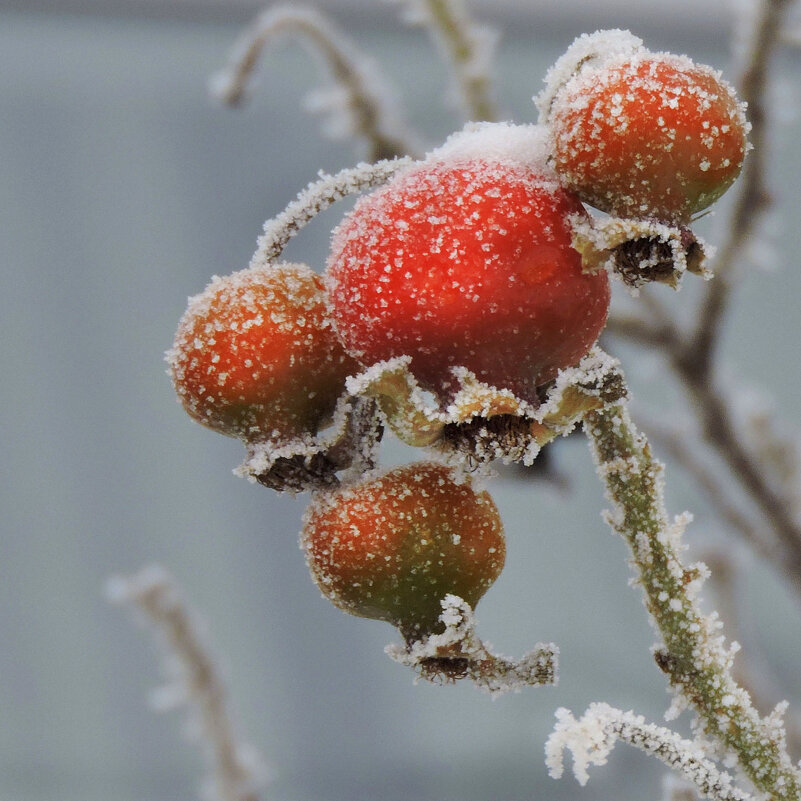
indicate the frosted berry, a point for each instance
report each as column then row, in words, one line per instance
column 255, row 355
column 466, row 262
column 641, row 134
column 392, row 547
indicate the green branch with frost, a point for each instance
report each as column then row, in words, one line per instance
column 692, row 652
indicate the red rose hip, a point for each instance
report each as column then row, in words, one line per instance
column 255, row 355
column 391, row 548
column 641, row 134
column 466, row 262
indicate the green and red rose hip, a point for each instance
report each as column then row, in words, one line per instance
column 464, row 260
column 392, row 547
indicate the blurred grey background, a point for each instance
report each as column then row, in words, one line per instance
column 123, row 188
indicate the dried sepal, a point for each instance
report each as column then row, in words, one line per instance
column 482, row 422
column 485, row 423
column 640, row 251
column 458, row 653
column 312, row 463
column 413, row 418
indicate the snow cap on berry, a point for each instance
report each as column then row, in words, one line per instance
column 526, row 145
column 588, row 50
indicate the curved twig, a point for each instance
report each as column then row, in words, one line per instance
column 235, row 768
column 364, row 96
column 467, row 46
column 592, row 738
column 317, row 197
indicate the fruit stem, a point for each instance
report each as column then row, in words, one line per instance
column 317, row 197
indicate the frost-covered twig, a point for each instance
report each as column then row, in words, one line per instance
column 359, row 102
column 776, row 501
column 458, row 653
column 316, row 198
column 752, row 198
column 692, row 653
column 592, row 738
column 467, row 46
column 235, row 769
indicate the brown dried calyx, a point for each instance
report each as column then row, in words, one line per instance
column 312, row 464
column 518, row 437
column 640, row 261
column 639, row 251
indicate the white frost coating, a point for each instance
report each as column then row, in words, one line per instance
column 236, row 771
column 492, row 673
column 588, row 50
column 598, row 238
column 591, row 739
column 590, row 373
column 528, row 145
column 317, row 197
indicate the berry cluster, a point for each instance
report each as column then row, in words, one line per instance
column 457, row 301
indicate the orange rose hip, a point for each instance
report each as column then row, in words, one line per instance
column 644, row 134
column 255, row 355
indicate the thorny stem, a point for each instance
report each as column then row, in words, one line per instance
column 692, row 654
column 751, row 669
column 464, row 42
column 753, row 197
column 155, row 593
column 364, row 103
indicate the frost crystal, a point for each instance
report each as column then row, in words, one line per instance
column 591, row 739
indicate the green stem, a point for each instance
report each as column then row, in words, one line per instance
column 692, row 654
